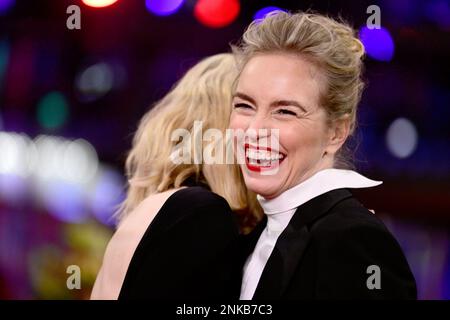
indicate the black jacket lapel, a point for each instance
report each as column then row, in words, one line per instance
column 292, row 243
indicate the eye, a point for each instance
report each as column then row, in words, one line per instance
column 242, row 106
column 286, row 112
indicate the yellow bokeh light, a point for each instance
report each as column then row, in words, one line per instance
column 99, row 3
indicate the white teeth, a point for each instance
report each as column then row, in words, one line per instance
column 262, row 155
column 275, row 157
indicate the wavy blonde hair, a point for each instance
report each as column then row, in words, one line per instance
column 330, row 44
column 203, row 94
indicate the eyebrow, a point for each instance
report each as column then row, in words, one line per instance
column 243, row 96
column 277, row 103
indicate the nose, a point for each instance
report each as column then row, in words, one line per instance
column 258, row 129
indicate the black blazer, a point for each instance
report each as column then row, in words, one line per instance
column 325, row 251
column 187, row 251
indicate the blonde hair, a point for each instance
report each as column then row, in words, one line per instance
column 203, row 94
column 329, row 44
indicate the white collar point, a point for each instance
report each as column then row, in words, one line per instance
column 321, row 182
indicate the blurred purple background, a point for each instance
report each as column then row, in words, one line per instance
column 70, row 101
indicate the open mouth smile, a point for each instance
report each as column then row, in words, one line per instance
column 259, row 158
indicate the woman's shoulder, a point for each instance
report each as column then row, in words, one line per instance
column 349, row 224
column 193, row 200
column 193, row 228
column 187, row 198
column 197, row 196
column 194, row 203
column 350, row 213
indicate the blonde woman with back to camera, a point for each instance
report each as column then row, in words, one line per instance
column 177, row 229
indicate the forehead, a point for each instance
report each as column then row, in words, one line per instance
column 281, row 76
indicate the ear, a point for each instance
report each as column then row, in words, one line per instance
column 338, row 133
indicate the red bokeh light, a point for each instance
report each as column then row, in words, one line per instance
column 216, row 13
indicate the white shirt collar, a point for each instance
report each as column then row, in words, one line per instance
column 320, row 183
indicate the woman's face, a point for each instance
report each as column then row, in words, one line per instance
column 280, row 91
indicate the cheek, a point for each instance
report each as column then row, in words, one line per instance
column 237, row 121
column 302, row 140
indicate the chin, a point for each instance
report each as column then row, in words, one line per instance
column 262, row 185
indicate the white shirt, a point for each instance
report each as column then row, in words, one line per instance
column 280, row 210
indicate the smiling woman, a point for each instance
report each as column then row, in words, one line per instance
column 300, row 74
column 283, row 91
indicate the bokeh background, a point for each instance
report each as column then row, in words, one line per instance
column 70, row 101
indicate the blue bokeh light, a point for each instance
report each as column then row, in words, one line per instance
column 163, row 7
column 261, row 13
column 65, row 201
column 6, row 5
column 378, row 43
